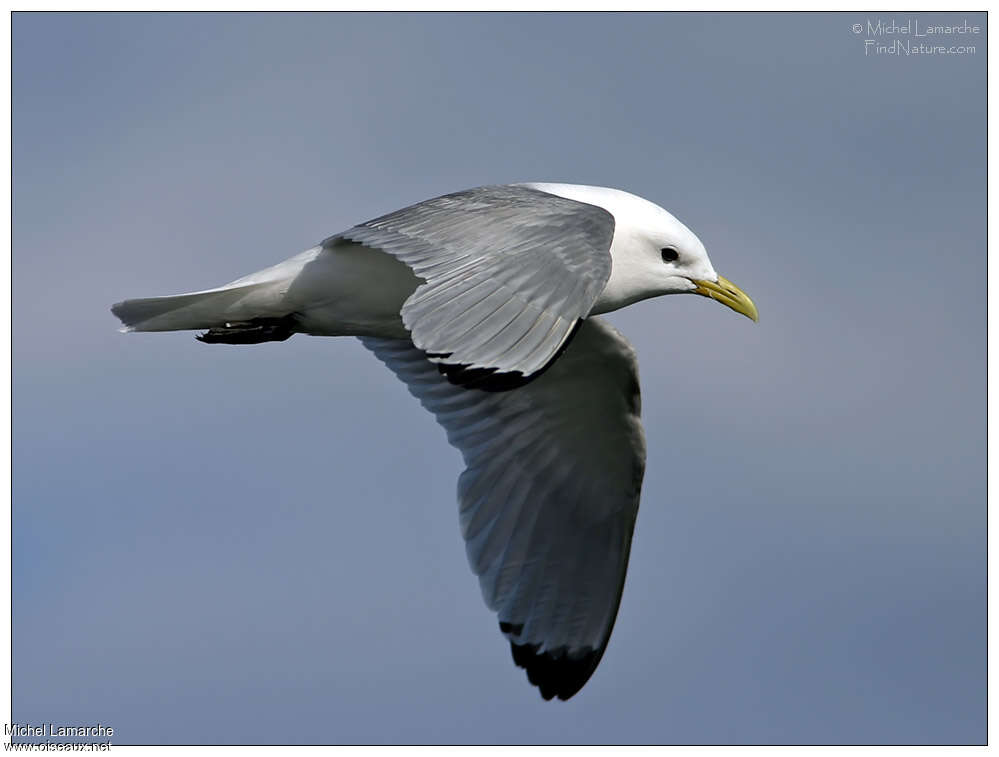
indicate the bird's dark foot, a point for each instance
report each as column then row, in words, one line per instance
column 251, row 332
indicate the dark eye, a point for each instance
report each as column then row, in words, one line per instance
column 670, row 255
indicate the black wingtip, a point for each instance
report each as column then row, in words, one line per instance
column 556, row 674
column 486, row 379
column 492, row 380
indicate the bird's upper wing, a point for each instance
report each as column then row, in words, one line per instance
column 509, row 271
column 549, row 496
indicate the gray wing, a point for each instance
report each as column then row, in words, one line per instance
column 549, row 496
column 509, row 271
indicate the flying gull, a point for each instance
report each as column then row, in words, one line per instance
column 482, row 303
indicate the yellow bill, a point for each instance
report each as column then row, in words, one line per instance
column 727, row 293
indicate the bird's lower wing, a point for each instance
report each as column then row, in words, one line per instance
column 508, row 270
column 549, row 496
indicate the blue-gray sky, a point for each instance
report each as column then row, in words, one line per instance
column 223, row 544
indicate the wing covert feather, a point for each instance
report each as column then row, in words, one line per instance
column 509, row 271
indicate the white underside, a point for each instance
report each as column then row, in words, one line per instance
column 346, row 289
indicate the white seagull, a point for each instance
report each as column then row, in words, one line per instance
column 481, row 302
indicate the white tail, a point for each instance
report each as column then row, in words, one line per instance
column 197, row 310
column 259, row 295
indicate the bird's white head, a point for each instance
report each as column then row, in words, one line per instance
column 652, row 252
